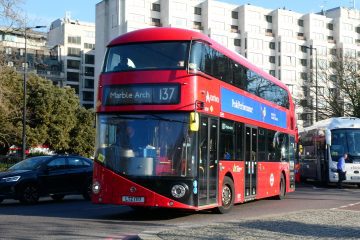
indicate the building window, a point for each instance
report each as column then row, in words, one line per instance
column 272, row 72
column 268, row 18
column 330, row 26
column 301, row 22
column 235, row 15
column 272, row 59
column 74, row 40
column 303, row 62
column 304, row 76
column 357, row 29
column 197, row 25
column 89, row 59
column 234, row 28
column 333, row 51
column 89, row 71
column 279, row 63
column 88, row 96
column 73, row 64
column 156, row 7
column 155, row 22
column 8, row 50
column 75, row 52
column 89, row 83
column 268, row 32
column 197, row 11
column 72, row 76
column 303, row 49
column 237, row 42
column 89, row 45
column 272, row 45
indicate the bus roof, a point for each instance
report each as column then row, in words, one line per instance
column 180, row 34
column 333, row 123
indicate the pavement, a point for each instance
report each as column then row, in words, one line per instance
column 337, row 223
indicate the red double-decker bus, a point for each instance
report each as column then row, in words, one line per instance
column 184, row 123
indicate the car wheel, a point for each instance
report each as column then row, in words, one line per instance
column 227, row 196
column 282, row 190
column 87, row 192
column 57, row 197
column 29, row 194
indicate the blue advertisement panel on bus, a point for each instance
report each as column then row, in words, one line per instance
column 237, row 104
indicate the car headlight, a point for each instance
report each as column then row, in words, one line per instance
column 11, row 179
column 179, row 190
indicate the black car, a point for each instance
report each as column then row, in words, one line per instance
column 57, row 176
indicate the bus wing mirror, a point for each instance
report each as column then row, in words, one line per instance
column 194, row 121
column 328, row 137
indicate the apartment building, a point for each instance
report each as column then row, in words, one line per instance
column 284, row 43
column 74, row 43
column 40, row 59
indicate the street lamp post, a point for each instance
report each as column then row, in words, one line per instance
column 25, row 90
column 316, row 80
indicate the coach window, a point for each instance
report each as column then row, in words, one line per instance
column 227, row 139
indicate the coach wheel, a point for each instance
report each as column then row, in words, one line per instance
column 227, row 196
column 282, row 188
column 29, row 194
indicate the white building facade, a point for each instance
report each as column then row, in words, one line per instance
column 74, row 42
column 279, row 41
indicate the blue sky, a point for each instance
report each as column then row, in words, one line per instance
column 42, row 12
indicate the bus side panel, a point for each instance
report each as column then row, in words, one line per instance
column 268, row 179
column 236, row 170
column 269, row 175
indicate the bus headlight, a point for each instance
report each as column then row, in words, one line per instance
column 179, row 190
column 96, row 187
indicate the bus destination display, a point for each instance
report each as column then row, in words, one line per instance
column 141, row 94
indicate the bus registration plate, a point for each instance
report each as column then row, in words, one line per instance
column 355, row 178
column 133, row 199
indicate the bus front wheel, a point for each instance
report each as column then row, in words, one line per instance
column 227, row 196
column 282, row 190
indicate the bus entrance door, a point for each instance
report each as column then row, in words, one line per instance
column 208, row 160
column 251, row 135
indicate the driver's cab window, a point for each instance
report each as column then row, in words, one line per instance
column 59, row 163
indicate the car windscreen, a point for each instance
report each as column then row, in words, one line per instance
column 29, row 164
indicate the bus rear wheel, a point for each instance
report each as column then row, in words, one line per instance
column 282, row 190
column 227, row 196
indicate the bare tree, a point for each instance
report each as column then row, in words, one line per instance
column 339, row 87
column 11, row 13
